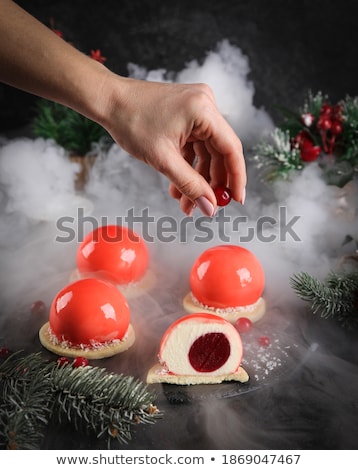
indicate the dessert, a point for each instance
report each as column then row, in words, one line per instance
column 199, row 349
column 227, row 280
column 117, row 254
column 88, row 318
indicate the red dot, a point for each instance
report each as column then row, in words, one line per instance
column 243, row 325
column 264, row 341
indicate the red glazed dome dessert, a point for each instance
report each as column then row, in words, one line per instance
column 227, row 280
column 89, row 318
column 115, row 253
column 197, row 349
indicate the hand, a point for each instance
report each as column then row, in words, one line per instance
column 175, row 128
column 178, row 130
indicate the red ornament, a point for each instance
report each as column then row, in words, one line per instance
column 223, row 195
column 243, row 325
column 264, row 341
column 310, row 152
column 80, row 362
column 324, row 123
column 336, row 127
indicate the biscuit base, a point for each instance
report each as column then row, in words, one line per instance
column 131, row 290
column 254, row 314
column 158, row 375
column 105, row 351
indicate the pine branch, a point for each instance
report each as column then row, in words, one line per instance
column 336, row 298
column 33, row 391
column 25, row 403
column 108, row 404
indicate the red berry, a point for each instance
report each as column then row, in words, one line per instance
column 63, row 361
column 4, row 353
column 80, row 362
column 223, row 195
column 243, row 325
column 38, row 307
column 324, row 123
column 336, row 127
column 326, row 109
column 264, row 341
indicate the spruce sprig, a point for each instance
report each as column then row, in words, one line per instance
column 66, row 127
column 276, row 158
column 336, row 297
column 34, row 391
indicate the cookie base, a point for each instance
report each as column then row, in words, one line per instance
column 105, row 351
column 254, row 314
column 157, row 375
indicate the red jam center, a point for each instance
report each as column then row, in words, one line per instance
column 209, row 352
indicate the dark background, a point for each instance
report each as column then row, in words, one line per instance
column 292, row 46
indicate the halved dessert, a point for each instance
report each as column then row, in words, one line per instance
column 199, row 349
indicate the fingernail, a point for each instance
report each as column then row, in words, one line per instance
column 205, row 206
column 243, row 196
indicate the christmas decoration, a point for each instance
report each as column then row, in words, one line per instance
column 72, row 131
column 34, row 391
column 318, row 131
column 77, row 134
column 336, row 297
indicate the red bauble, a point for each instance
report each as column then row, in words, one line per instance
column 223, row 195
column 336, row 127
column 324, row 123
column 310, row 152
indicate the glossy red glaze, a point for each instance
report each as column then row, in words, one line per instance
column 113, row 252
column 89, row 310
column 227, row 276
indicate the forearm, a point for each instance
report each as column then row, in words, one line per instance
column 36, row 60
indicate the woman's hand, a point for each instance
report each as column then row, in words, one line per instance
column 178, row 130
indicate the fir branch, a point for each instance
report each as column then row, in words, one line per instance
column 277, row 158
column 25, row 403
column 108, row 404
column 66, row 127
column 33, row 391
column 336, row 297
